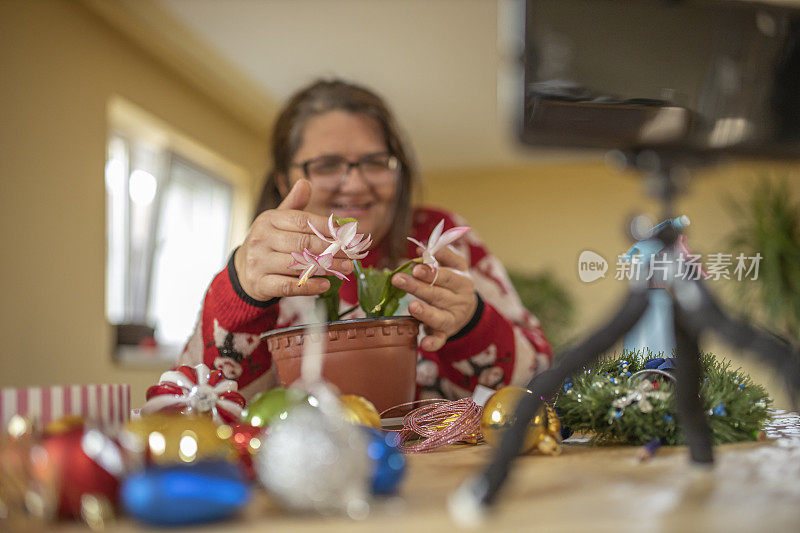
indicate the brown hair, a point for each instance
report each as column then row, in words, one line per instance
column 337, row 95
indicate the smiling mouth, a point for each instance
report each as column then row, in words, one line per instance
column 352, row 206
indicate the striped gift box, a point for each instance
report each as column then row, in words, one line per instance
column 107, row 405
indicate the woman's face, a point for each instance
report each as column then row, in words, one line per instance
column 350, row 136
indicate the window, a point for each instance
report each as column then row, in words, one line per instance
column 168, row 232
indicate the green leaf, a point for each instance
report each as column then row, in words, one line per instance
column 330, row 298
column 374, row 287
column 370, row 284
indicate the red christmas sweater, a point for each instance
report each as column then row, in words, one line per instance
column 503, row 343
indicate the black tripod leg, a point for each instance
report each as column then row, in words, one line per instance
column 482, row 490
column 706, row 313
column 691, row 413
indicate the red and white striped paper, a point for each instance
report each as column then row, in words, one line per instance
column 107, row 405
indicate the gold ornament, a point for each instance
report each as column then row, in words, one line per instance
column 360, row 411
column 170, row 439
column 543, row 433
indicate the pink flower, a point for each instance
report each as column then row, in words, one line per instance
column 345, row 238
column 436, row 242
column 313, row 265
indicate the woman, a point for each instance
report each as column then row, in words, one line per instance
column 336, row 149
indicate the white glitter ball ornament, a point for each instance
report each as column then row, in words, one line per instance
column 315, row 462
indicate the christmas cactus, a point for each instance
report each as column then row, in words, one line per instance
column 376, row 294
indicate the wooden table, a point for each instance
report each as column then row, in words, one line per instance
column 752, row 487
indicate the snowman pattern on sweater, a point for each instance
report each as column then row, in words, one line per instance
column 233, row 349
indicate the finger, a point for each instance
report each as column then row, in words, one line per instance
column 298, row 196
column 293, row 220
column 433, row 342
column 272, row 285
column 281, row 264
column 447, row 278
column 434, row 318
column 293, row 241
column 425, row 291
column 452, row 257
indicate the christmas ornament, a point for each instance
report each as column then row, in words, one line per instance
column 544, row 430
column 269, row 406
column 666, row 364
column 313, row 461
column 29, row 481
column 641, row 395
column 196, row 390
column 247, row 441
column 166, row 439
column 179, row 495
column 88, row 462
column 649, row 450
column 388, row 463
column 360, row 411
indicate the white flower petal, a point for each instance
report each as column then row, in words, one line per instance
column 346, row 233
column 437, row 231
column 318, row 233
column 331, row 227
column 450, row 235
column 415, row 241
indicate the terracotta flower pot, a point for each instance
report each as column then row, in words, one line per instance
column 372, row 357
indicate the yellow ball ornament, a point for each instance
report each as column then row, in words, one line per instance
column 544, row 430
column 170, row 439
column 360, row 411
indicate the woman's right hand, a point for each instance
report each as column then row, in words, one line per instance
column 262, row 261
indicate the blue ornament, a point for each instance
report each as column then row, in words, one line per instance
column 388, row 463
column 177, row 495
column 719, row 410
column 668, row 418
column 660, row 363
column 654, row 363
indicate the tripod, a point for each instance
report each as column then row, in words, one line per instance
column 694, row 312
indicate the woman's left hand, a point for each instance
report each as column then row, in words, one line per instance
column 446, row 306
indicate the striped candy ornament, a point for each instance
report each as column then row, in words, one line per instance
column 195, row 390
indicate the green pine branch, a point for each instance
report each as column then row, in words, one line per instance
column 735, row 406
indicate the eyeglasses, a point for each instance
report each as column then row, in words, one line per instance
column 329, row 171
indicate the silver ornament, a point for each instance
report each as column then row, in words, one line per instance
column 642, row 394
column 315, row 462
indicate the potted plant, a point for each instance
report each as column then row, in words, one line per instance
column 374, row 357
column 767, row 222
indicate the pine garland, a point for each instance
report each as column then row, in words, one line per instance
column 736, row 407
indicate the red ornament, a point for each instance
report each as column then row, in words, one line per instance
column 247, row 440
column 196, row 390
column 87, row 461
